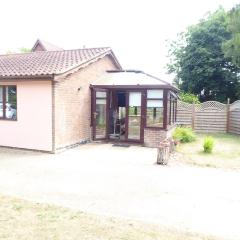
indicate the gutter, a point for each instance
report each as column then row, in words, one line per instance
column 27, row 77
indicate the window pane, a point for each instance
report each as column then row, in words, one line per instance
column 1, row 102
column 135, row 99
column 100, row 101
column 173, row 111
column 155, row 94
column 11, row 103
column 101, row 118
column 101, row 94
column 154, row 103
column 134, row 122
column 134, row 115
column 154, row 117
column 169, row 112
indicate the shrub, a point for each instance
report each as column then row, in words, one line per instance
column 208, row 144
column 184, row 134
column 189, row 98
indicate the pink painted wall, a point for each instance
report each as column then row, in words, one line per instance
column 33, row 128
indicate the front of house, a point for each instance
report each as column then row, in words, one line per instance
column 51, row 99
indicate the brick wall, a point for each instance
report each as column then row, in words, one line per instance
column 72, row 108
column 153, row 137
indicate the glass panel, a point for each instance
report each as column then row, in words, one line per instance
column 1, row 101
column 154, row 103
column 134, row 115
column 135, row 99
column 101, row 118
column 169, row 112
column 154, row 114
column 101, row 94
column 11, row 102
column 100, row 101
column 154, row 93
column 172, row 111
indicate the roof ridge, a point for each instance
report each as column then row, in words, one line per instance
column 44, row 52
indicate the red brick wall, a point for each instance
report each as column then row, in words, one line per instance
column 72, row 108
column 153, row 137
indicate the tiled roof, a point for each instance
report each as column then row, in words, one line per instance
column 46, row 62
column 45, row 46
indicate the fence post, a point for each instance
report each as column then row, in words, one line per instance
column 193, row 116
column 228, row 115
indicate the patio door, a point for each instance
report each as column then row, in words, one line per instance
column 135, row 116
column 99, row 114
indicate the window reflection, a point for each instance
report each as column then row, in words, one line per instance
column 8, row 102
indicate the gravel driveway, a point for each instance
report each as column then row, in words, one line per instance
column 126, row 183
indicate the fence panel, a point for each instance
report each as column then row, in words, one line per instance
column 210, row 116
column 184, row 113
column 234, row 117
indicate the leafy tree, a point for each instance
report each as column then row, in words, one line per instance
column 189, row 98
column 231, row 47
column 20, row 50
column 199, row 63
column 24, row 50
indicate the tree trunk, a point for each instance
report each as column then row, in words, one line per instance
column 163, row 153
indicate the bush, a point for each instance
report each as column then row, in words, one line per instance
column 208, row 144
column 189, row 98
column 184, row 134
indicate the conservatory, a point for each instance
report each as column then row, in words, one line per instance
column 132, row 106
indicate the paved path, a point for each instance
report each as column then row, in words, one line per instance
column 125, row 182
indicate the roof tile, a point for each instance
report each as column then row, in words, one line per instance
column 46, row 62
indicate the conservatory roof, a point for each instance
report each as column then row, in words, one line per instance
column 131, row 78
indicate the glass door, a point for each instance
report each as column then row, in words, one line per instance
column 100, row 114
column 134, row 111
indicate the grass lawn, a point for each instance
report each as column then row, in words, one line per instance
column 226, row 152
column 21, row 220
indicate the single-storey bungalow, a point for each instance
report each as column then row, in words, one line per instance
column 51, row 99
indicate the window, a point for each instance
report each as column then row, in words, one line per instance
column 1, row 102
column 172, row 109
column 100, row 114
column 134, row 115
column 8, row 102
column 154, row 108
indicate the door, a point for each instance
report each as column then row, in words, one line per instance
column 134, row 116
column 99, row 114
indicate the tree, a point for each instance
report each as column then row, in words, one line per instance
column 231, row 47
column 199, row 63
column 24, row 50
column 189, row 98
column 20, row 50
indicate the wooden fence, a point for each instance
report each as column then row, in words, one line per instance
column 210, row 116
column 234, row 117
